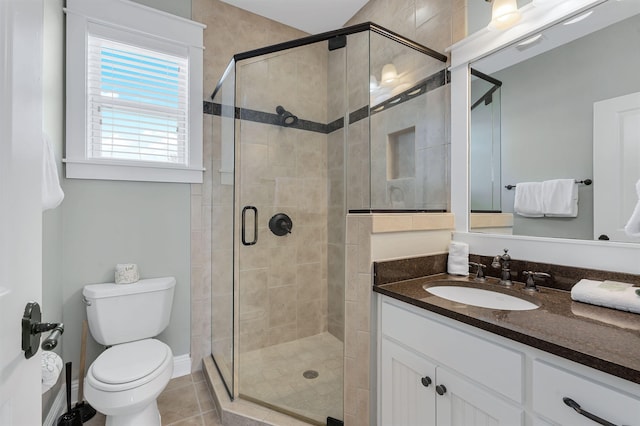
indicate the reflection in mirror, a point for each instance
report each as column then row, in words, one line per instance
column 484, row 144
column 409, row 148
column 567, row 111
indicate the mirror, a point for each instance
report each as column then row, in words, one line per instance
column 569, row 108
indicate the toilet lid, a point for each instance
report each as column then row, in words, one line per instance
column 130, row 361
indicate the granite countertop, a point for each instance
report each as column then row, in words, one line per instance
column 605, row 339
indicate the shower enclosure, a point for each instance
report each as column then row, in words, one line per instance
column 304, row 133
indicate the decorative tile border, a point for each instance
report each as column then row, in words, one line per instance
column 430, row 83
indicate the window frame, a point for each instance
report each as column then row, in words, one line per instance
column 130, row 23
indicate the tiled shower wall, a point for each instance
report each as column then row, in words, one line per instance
column 435, row 23
column 230, row 30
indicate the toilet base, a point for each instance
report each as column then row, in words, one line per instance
column 150, row 416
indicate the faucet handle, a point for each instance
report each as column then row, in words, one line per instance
column 479, row 271
column 531, row 279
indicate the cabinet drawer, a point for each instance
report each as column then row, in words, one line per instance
column 551, row 384
column 492, row 365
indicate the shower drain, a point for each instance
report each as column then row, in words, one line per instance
column 310, row 374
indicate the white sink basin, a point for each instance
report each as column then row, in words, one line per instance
column 482, row 298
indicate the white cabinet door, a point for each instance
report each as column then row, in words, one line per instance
column 465, row 404
column 407, row 383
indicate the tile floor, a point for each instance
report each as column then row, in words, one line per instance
column 274, row 375
column 185, row 402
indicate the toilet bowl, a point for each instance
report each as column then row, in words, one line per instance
column 125, row 380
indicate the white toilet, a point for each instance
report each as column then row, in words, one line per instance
column 125, row 380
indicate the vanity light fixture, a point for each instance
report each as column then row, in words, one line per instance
column 389, row 73
column 504, row 14
column 578, row 18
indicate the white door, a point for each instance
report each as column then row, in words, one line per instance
column 20, row 211
column 616, row 164
column 406, row 388
column 461, row 403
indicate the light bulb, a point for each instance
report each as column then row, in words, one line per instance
column 389, row 73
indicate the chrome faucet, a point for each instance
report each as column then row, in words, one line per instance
column 502, row 261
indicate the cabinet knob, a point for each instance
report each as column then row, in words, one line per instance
column 426, row 381
column 441, row 389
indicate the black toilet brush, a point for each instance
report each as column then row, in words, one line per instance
column 71, row 417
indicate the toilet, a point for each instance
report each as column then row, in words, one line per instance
column 125, row 380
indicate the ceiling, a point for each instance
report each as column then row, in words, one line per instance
column 311, row 16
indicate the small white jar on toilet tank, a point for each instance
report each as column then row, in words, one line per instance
column 125, row 380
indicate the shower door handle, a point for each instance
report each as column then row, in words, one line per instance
column 255, row 226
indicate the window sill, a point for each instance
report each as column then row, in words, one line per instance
column 137, row 172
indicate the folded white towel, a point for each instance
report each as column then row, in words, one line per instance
column 560, row 198
column 458, row 259
column 632, row 228
column 610, row 294
column 528, row 199
column 52, row 194
column 458, row 249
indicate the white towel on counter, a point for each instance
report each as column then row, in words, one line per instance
column 610, row 294
column 632, row 228
column 560, row 198
column 52, row 194
column 528, row 199
column 458, row 259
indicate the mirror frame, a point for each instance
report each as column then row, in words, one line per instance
column 613, row 256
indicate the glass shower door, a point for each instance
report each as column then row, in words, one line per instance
column 287, row 358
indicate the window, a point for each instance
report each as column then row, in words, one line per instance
column 138, row 115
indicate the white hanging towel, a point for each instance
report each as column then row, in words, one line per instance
column 528, row 199
column 52, row 194
column 632, row 228
column 560, row 198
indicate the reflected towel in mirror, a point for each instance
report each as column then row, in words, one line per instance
column 528, row 199
column 560, row 198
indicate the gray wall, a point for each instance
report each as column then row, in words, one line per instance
column 547, row 118
column 101, row 223
column 107, row 222
column 53, row 110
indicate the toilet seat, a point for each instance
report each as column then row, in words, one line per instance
column 129, row 365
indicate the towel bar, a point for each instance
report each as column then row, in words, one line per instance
column 586, row 182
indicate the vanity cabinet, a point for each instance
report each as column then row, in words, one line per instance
column 484, row 378
column 551, row 384
column 428, row 375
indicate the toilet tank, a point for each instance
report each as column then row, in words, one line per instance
column 119, row 313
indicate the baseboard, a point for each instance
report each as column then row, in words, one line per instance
column 181, row 367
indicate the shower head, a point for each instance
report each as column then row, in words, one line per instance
column 286, row 118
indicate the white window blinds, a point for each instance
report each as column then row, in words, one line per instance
column 137, row 104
